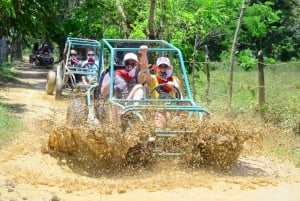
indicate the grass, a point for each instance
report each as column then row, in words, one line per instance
column 290, row 154
column 282, row 89
column 282, row 105
column 9, row 124
column 7, row 72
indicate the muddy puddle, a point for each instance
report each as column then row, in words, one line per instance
column 84, row 163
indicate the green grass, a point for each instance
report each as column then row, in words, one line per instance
column 282, row 105
column 282, row 90
column 7, row 72
column 290, row 154
column 9, row 125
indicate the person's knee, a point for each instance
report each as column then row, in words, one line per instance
column 139, row 92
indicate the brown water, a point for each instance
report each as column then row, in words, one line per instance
column 84, row 170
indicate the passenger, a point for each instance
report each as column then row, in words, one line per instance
column 163, row 76
column 127, row 81
column 73, row 58
column 44, row 49
column 35, row 47
column 92, row 64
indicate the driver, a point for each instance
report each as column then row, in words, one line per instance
column 163, row 76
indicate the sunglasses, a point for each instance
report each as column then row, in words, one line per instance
column 73, row 55
column 163, row 66
column 130, row 64
column 91, row 55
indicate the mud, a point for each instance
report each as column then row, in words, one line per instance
column 216, row 144
column 30, row 171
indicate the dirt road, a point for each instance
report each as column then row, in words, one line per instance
column 27, row 173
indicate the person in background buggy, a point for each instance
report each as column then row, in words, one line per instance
column 73, row 58
column 35, row 47
column 44, row 49
column 92, row 63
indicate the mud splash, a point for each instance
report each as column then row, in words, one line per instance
column 216, row 144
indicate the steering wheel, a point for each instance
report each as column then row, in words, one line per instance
column 166, row 95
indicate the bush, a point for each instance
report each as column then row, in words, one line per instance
column 247, row 60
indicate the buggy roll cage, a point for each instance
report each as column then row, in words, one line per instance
column 84, row 43
column 126, row 105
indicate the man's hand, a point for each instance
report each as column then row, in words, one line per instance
column 143, row 60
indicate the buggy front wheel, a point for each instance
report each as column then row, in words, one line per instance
column 59, row 82
column 50, row 85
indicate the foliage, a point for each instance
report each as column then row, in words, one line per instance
column 246, row 60
column 268, row 25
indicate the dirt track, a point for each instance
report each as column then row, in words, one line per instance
column 28, row 174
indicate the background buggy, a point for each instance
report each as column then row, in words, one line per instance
column 41, row 56
column 68, row 75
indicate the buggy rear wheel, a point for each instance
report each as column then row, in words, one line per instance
column 59, row 82
column 50, row 85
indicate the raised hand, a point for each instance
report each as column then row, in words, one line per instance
column 143, row 60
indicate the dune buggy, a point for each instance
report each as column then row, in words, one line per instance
column 43, row 58
column 68, row 74
column 138, row 129
column 176, row 111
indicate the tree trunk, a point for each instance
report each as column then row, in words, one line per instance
column 16, row 48
column 151, row 33
column 232, row 56
column 3, row 50
column 123, row 17
column 196, row 44
column 261, row 82
column 207, row 75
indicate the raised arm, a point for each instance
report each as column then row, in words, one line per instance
column 144, row 74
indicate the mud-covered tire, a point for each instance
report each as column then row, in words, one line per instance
column 59, row 82
column 130, row 121
column 139, row 156
column 220, row 152
column 76, row 112
column 50, row 84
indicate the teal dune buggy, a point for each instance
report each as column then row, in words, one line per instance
column 174, row 114
column 70, row 71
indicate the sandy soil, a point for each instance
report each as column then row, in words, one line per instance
column 27, row 173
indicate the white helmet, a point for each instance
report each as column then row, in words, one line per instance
column 130, row 56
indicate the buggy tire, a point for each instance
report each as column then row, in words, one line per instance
column 37, row 62
column 139, row 156
column 76, row 112
column 59, row 82
column 50, row 85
